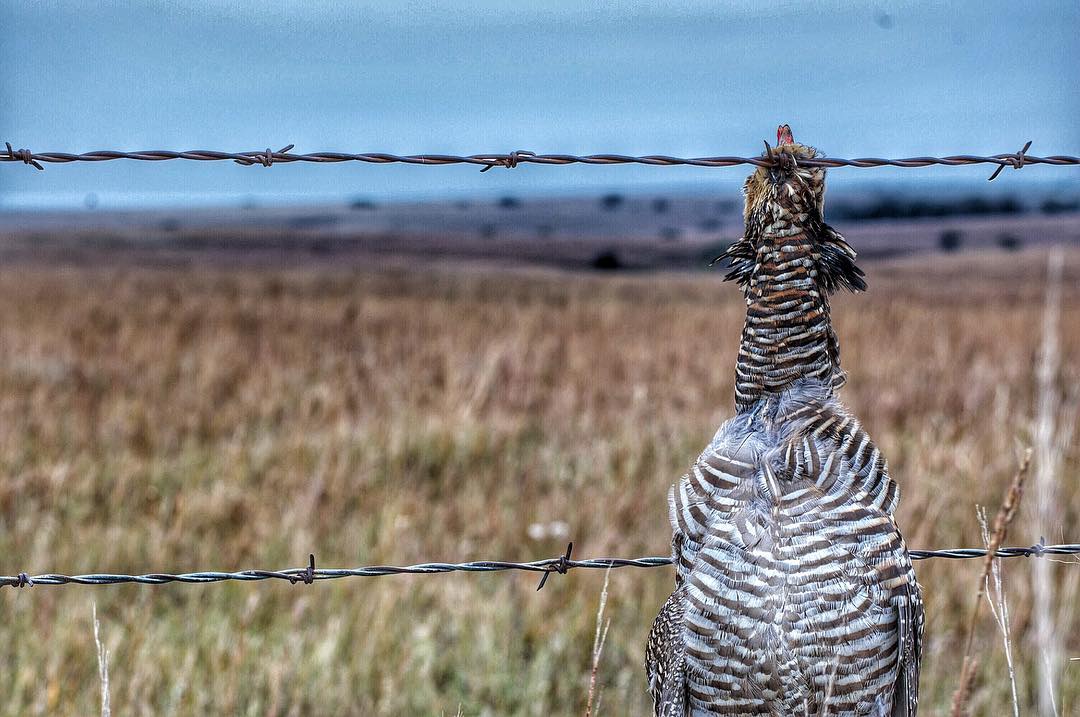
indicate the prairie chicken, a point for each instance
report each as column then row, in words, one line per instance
column 794, row 592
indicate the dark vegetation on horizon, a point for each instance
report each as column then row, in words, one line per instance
column 974, row 205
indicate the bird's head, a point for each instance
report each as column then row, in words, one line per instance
column 787, row 199
column 787, row 187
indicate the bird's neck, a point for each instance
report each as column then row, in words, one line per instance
column 788, row 333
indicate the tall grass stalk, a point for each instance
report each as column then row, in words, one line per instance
column 998, row 601
column 103, row 665
column 1005, row 515
column 1048, row 460
column 598, row 648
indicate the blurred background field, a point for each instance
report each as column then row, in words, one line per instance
column 197, row 417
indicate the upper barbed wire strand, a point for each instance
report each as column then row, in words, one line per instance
column 510, row 160
column 560, row 564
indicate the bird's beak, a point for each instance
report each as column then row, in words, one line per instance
column 783, row 135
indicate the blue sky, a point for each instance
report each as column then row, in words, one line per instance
column 691, row 78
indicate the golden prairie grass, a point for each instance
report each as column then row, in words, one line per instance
column 202, row 418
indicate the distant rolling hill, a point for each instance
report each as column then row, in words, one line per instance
column 608, row 232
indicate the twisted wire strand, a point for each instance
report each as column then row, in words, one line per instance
column 510, row 160
column 547, row 566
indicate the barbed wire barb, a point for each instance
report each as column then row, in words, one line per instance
column 510, row 161
column 562, row 564
column 267, row 158
column 1016, row 160
column 559, row 567
column 21, row 155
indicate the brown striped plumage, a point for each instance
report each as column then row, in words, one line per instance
column 794, row 592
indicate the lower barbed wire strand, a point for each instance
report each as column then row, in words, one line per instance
column 549, row 565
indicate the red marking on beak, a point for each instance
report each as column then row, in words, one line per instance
column 783, row 135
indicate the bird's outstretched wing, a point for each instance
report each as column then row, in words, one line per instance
column 837, row 262
column 909, row 646
column 664, row 660
column 740, row 257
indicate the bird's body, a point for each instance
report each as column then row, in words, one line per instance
column 794, row 593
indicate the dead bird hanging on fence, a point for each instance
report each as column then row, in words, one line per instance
column 795, row 594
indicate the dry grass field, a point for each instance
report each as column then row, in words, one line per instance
column 201, row 418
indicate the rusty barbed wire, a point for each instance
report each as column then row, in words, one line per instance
column 561, row 565
column 267, row 158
